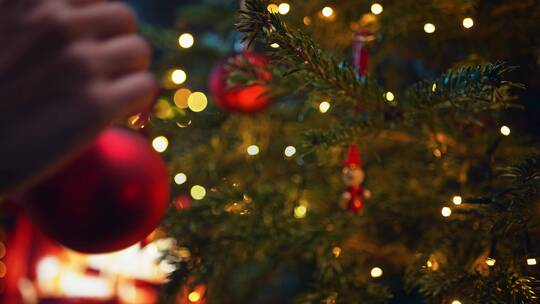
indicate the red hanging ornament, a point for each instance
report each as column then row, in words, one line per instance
column 361, row 51
column 109, row 198
column 243, row 99
column 353, row 177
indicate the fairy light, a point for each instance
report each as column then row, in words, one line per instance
column 456, row 302
column 324, row 107
column 160, row 144
column 300, row 212
column 505, row 130
column 446, row 211
column 180, row 178
column 284, row 8
column 274, row 45
column 253, row 150
column 197, row 102
column 429, row 28
column 457, row 200
column 290, row 151
column 327, row 11
column 336, row 251
column 376, row 8
column 307, row 21
column 434, row 87
column 468, row 22
column 491, row 262
column 178, row 76
column 181, row 98
column 531, row 261
column 194, row 296
column 273, row 8
column 198, row 192
column 376, row 272
column 186, row 40
column 389, row 96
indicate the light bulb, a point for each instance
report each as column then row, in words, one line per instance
column 180, row 178
column 300, row 212
column 186, row 40
column 198, row 192
column 376, row 272
column 327, row 11
column 197, row 102
column 253, row 150
column 290, row 151
column 376, row 8
column 389, row 96
column 468, row 22
column 457, row 200
column 194, row 296
column 273, row 8
column 446, row 212
column 160, row 144
column 284, row 8
column 429, row 28
column 178, row 76
column 531, row 261
column 324, row 107
column 505, row 130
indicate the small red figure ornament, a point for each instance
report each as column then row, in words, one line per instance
column 361, row 51
column 353, row 177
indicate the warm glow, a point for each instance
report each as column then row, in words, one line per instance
column 274, row 45
column 198, row 192
column 468, row 22
column 273, row 8
column 446, row 212
column 505, row 130
column 490, row 262
column 284, row 8
column 178, row 76
column 434, row 87
column 194, row 296
column 197, row 102
column 324, row 107
column 181, row 98
column 336, row 251
column 300, row 212
column 180, row 178
column 457, row 200
column 253, row 150
column 186, row 40
column 376, row 8
column 531, row 261
column 290, row 151
column 376, row 272
column 307, row 20
column 74, row 285
column 429, row 28
column 389, row 96
column 160, row 144
column 456, row 302
column 48, row 268
column 327, row 11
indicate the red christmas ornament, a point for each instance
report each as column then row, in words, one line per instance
column 243, row 99
column 110, row 197
column 353, row 176
column 361, row 51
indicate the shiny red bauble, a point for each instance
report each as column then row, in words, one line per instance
column 243, row 99
column 110, row 197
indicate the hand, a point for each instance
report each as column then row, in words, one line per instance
column 68, row 68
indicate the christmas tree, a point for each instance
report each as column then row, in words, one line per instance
column 448, row 156
column 348, row 151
